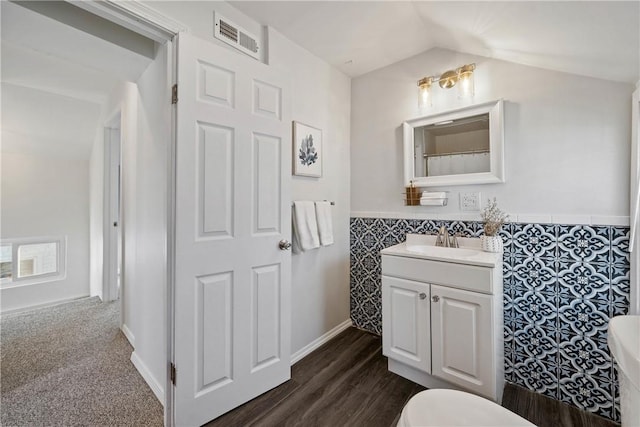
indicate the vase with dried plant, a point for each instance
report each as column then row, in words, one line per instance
column 493, row 218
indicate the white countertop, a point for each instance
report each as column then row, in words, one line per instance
column 424, row 246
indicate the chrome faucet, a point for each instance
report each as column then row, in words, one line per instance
column 454, row 241
column 447, row 241
column 443, row 237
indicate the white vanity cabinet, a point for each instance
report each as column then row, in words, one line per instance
column 442, row 320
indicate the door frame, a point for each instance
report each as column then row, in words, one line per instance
column 143, row 20
column 634, row 202
column 112, row 195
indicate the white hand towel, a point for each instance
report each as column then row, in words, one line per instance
column 305, row 226
column 325, row 226
column 431, row 202
column 434, row 195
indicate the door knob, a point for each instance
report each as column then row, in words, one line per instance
column 284, row 245
column 435, row 298
column 422, row 295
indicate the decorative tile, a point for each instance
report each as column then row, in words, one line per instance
column 583, row 317
column 537, row 376
column 620, row 246
column 535, row 274
column 587, row 393
column 508, row 265
column 562, row 283
column 536, row 309
column 534, row 341
column 533, row 240
column 505, row 235
column 478, row 228
column 582, row 354
column 620, row 290
column 584, row 280
column 619, row 305
column 464, row 228
column 615, row 387
column 509, row 370
column 393, row 238
column 584, row 243
column 424, row 226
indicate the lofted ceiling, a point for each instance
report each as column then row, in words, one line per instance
column 56, row 76
column 593, row 38
column 59, row 66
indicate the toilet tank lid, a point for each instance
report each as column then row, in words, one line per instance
column 624, row 342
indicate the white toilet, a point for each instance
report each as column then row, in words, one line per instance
column 442, row 407
column 624, row 342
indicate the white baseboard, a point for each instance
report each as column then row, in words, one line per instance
column 304, row 351
column 127, row 333
column 43, row 305
column 154, row 385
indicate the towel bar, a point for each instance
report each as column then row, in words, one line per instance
column 332, row 203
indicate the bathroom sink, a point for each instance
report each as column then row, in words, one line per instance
column 440, row 251
column 424, row 246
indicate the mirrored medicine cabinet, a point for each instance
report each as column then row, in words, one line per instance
column 458, row 147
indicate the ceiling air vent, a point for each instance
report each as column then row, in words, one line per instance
column 235, row 36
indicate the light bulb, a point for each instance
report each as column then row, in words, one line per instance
column 465, row 81
column 424, row 93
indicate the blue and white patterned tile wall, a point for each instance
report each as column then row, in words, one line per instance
column 562, row 283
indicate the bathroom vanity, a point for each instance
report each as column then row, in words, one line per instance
column 442, row 315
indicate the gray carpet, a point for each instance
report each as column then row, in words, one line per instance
column 69, row 365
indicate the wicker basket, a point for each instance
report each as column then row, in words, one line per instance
column 412, row 196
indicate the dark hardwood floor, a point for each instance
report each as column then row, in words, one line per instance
column 547, row 412
column 346, row 383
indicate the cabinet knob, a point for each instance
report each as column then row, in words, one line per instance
column 423, row 295
column 435, row 298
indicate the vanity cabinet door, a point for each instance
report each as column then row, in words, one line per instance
column 462, row 339
column 405, row 322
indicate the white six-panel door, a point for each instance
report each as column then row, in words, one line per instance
column 232, row 282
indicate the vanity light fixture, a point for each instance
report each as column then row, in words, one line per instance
column 424, row 92
column 462, row 76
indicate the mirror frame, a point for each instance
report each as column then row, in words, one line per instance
column 496, row 147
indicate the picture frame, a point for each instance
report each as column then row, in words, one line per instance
column 307, row 150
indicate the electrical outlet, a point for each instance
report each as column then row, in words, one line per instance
column 470, row 202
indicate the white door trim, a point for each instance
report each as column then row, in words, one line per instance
column 134, row 16
column 634, row 202
column 169, row 392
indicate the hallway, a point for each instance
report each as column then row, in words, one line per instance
column 69, row 365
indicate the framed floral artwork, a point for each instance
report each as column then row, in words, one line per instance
column 307, row 150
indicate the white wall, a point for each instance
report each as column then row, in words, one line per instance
column 151, row 179
column 122, row 100
column 567, row 139
column 46, row 195
column 145, row 137
column 321, row 98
